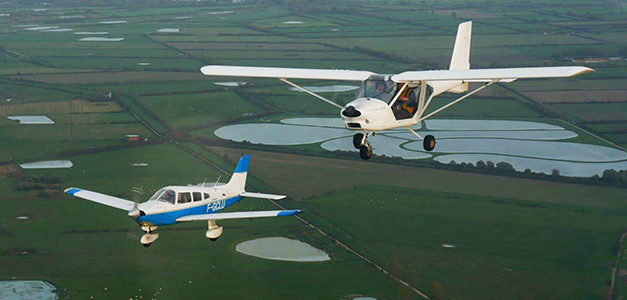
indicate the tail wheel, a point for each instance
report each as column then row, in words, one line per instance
column 429, row 142
column 365, row 151
column 357, row 138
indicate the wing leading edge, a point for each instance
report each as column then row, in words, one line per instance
column 504, row 74
column 101, row 198
column 240, row 215
column 291, row 73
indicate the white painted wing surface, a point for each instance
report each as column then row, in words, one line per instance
column 239, row 215
column 263, row 196
column 101, row 198
column 490, row 74
column 287, row 73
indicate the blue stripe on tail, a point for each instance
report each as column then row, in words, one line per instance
column 242, row 166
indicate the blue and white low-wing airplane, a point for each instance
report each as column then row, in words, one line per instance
column 177, row 204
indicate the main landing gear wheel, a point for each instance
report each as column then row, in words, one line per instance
column 365, row 151
column 357, row 138
column 428, row 142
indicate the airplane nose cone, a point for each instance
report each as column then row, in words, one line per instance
column 351, row 112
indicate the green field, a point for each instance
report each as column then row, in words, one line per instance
column 514, row 238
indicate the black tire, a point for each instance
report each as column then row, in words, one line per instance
column 357, row 140
column 213, row 240
column 146, row 245
column 428, row 143
column 365, row 151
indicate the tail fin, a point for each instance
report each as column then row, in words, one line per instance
column 238, row 180
column 459, row 61
column 461, row 53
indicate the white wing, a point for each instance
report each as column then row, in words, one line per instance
column 490, row 74
column 294, row 73
column 101, row 198
column 240, row 215
column 263, row 196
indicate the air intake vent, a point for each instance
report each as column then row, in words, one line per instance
column 351, row 112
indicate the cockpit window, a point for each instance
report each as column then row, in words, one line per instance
column 184, row 198
column 197, row 196
column 156, row 195
column 378, row 88
column 168, row 196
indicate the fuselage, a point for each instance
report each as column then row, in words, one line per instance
column 173, row 202
column 381, row 104
column 371, row 114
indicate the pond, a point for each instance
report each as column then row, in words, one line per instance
column 281, row 248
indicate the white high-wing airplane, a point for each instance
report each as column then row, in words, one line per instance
column 401, row 100
column 176, row 204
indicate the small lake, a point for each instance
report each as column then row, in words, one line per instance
column 32, row 120
column 281, row 248
column 47, row 164
column 327, row 88
column 27, row 289
column 100, row 39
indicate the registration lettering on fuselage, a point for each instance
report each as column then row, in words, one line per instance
column 216, row 205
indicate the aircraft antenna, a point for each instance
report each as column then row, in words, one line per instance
column 217, row 180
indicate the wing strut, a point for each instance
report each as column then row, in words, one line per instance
column 457, row 100
column 310, row 92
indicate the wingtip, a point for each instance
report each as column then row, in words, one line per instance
column 72, row 190
column 584, row 70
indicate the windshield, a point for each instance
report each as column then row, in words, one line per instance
column 168, row 196
column 378, row 88
column 156, row 195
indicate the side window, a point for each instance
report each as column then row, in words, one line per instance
column 184, row 198
column 168, row 196
column 206, row 196
column 197, row 196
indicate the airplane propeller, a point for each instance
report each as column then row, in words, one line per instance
column 135, row 212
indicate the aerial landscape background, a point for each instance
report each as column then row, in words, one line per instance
column 538, row 213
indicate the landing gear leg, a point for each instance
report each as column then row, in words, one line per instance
column 150, row 236
column 428, row 142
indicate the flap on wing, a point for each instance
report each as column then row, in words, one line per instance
column 295, row 73
column 240, row 215
column 101, row 198
column 490, row 74
column 263, row 196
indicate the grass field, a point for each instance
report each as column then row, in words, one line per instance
column 514, row 238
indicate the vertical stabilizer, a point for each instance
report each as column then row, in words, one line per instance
column 459, row 61
column 238, row 180
column 461, row 54
column 461, row 51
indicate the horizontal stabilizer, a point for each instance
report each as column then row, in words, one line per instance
column 287, row 73
column 263, row 196
column 101, row 198
column 507, row 74
column 240, row 215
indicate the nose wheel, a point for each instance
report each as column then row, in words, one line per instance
column 149, row 237
column 360, row 141
column 365, row 151
column 428, row 142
